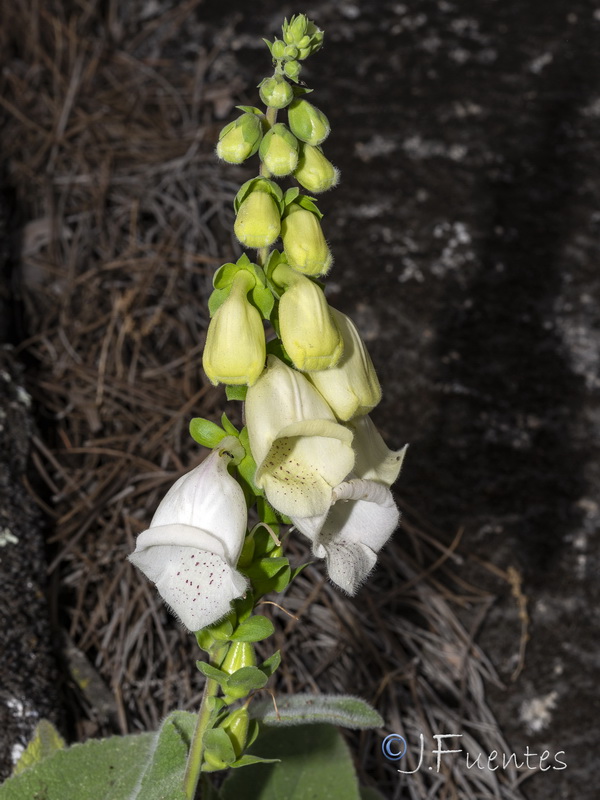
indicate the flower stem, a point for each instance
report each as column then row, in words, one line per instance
column 195, row 755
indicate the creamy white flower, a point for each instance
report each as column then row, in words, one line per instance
column 301, row 452
column 362, row 515
column 194, row 541
column 374, row 460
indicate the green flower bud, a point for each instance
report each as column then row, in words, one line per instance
column 212, row 762
column 279, row 150
column 303, row 242
column 307, row 122
column 236, row 726
column 297, row 27
column 290, row 52
column 258, row 221
column 235, row 347
column 276, row 92
column 240, row 654
column 315, row 172
column 278, row 49
column 292, row 70
column 304, row 42
column 351, row 388
column 308, row 332
column 240, row 139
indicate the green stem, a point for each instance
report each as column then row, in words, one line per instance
column 194, row 762
column 263, row 253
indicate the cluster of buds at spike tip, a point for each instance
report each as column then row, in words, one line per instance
column 301, row 38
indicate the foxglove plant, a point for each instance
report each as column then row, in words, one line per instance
column 309, row 454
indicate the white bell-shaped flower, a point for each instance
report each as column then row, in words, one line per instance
column 362, row 515
column 360, row 520
column 191, row 548
column 301, row 451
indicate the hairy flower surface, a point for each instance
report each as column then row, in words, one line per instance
column 301, row 452
column 194, row 541
column 362, row 515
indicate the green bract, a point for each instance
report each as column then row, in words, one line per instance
column 240, row 139
column 307, row 122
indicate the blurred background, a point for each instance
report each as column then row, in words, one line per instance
column 465, row 232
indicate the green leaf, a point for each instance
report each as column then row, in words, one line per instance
column 252, row 109
column 206, row 432
column 219, row 743
column 212, row 672
column 315, row 765
column 263, row 299
column 245, row 761
column 46, row 740
column 345, row 711
column 228, row 426
column 247, row 678
column 236, row 393
column 291, row 195
column 304, row 201
column 100, row 769
column 247, row 466
column 271, row 664
column 216, row 300
column 269, row 574
column 253, row 731
column 253, row 629
column 223, row 277
column 163, row 772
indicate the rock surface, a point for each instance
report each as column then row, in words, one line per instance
column 465, row 232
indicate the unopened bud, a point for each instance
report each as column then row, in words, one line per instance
column 235, row 342
column 315, row 172
column 279, row 150
column 258, row 221
column 278, row 49
column 240, row 139
column 290, row 52
column 276, row 92
column 304, row 243
column 236, row 726
column 240, row 654
column 351, row 388
column 308, row 332
column 307, row 122
column 292, row 70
